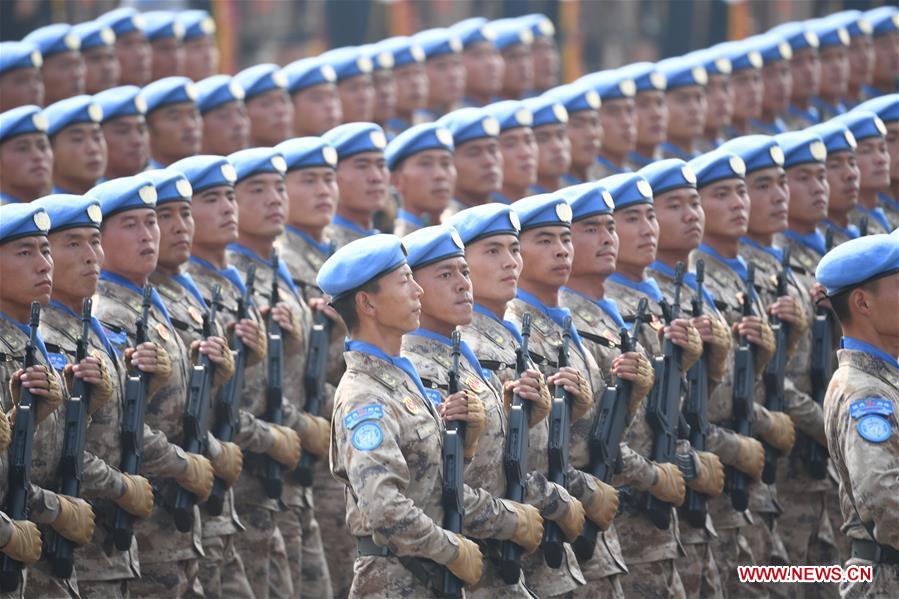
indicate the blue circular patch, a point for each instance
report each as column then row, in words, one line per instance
column 874, row 428
column 368, row 436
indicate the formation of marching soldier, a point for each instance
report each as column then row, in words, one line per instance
column 413, row 319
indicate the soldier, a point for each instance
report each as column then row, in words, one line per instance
column 201, row 54
column 860, row 54
column 101, row 67
column 226, row 126
column 484, row 65
column 777, row 82
column 20, row 75
column 652, row 112
column 62, row 69
column 174, row 123
column 517, row 147
column 268, row 106
column 861, row 404
column 362, row 178
column 544, row 51
column 423, row 174
column 885, row 23
column 79, row 148
column 584, row 130
column 477, row 157
column 747, row 87
column 873, row 161
column 383, row 81
column 618, row 119
column 125, row 131
column 719, row 98
column 375, row 294
column 316, row 105
column 553, row 147
column 166, row 36
column 130, row 239
column 685, row 97
column 444, row 69
column 26, row 158
column 411, row 84
column 833, row 40
column 805, row 70
column 514, row 41
column 841, row 190
column 131, row 45
column 355, row 85
column 887, row 108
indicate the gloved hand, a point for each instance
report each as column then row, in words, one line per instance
column 750, row 457
column 229, row 463
column 474, row 424
column 602, row 505
column 153, row 359
column 75, row 520
column 720, row 342
column 24, row 543
column 781, row 434
column 5, row 432
column 683, row 334
column 788, row 310
column 252, row 334
column 292, row 334
column 94, row 372
column 316, row 439
column 669, row 486
column 286, row 448
column 709, row 476
column 636, row 368
column 765, row 349
column 468, row 565
column 576, row 385
column 528, row 526
column 138, row 496
column 572, row 521
column 531, row 387
column 197, row 477
column 45, row 387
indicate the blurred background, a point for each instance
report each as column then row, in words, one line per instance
column 592, row 34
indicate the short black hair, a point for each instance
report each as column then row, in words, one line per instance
column 840, row 302
column 345, row 305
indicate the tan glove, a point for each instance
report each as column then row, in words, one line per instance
column 750, row 457
column 229, row 463
column 138, row 496
column 709, row 476
column 286, row 448
column 602, row 505
column 5, row 433
column 44, row 405
column 528, row 526
column 317, row 437
column 197, row 477
column 583, row 401
column 765, row 349
column 257, row 354
column 474, row 424
column 693, row 350
column 99, row 392
column 572, row 521
column 24, row 543
column 642, row 385
column 75, row 520
column 539, row 407
column 224, row 371
column 468, row 565
column 798, row 329
column 781, row 434
column 669, row 486
column 719, row 349
column 160, row 374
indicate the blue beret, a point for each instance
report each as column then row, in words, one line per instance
column 628, row 189
column 883, row 19
column 857, row 262
column 347, row 62
column 836, row 136
column 171, row 185
column 509, row 33
column 22, row 220
column 19, row 55
column 71, row 111
column 432, row 244
column 360, row 262
column 886, row 107
column 757, row 151
column 854, row 21
column 575, row 97
column 668, row 175
column 829, row 34
column 473, row 30
column 542, row 210
column 307, row 152
column 467, row 124
column 797, row 34
column 863, row 124
column 308, row 72
column 350, row 139
column 381, row 59
column 546, row 111
column 510, row 114
column 125, row 100
column 415, row 139
column 712, row 62
column 55, row 38
column 610, row 85
column 539, row 25
column 682, row 72
column 486, row 220
column 646, row 76
column 93, row 35
column 715, row 166
column 22, row 120
column 261, row 78
column 438, row 42
column 772, row 47
column 196, row 24
column 122, row 21
column 588, row 199
column 162, row 24
column 255, row 161
column 205, row 171
column 801, row 147
column 214, row 91
column 742, row 55
column 123, row 194
column 169, row 90
column 67, row 211
column 403, row 49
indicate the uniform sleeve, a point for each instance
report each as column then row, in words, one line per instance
column 161, row 458
column 43, row 505
column 487, row 517
column 255, row 434
column 551, row 499
column 5, row 530
column 101, row 480
column 724, row 443
column 636, row 470
column 806, row 414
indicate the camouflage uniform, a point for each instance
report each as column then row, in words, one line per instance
column 344, row 233
column 875, row 227
column 890, row 208
column 406, row 223
column 603, row 168
column 840, row 235
column 797, row 118
column 867, row 470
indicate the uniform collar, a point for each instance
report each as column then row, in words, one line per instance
column 340, row 221
column 26, row 330
column 607, row 305
column 508, row 324
column 155, row 298
column 283, row 272
column 689, row 279
column 557, row 315
column 229, row 272
column 323, row 247
column 853, row 344
column 648, row 286
column 96, row 327
column 464, row 349
column 400, row 362
column 813, row 240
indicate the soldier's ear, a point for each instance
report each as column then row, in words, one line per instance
column 363, row 304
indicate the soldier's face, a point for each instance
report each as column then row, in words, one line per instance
column 554, row 155
column 681, row 219
column 479, row 164
column 638, row 234
column 63, row 75
column 652, row 118
column 748, row 90
column 619, row 126
column 518, row 76
column 893, row 148
column 777, row 80
column 77, row 258
column 687, row 108
column 585, row 135
column 842, row 175
column 175, row 132
column 134, row 54
column 226, row 129
column 547, row 253
column 215, row 217
column 446, row 80
column 20, row 87
column 411, row 88
column 546, row 63
column 886, row 57
column 385, row 95
column 805, row 67
column 316, row 110
column 720, row 99
column 873, row 164
column 447, row 297
column 128, row 145
column 26, row 165
column 520, row 152
column 426, row 180
column 168, row 58
column 101, row 69
column 726, row 207
column 595, row 243
column 495, row 264
column 484, row 68
column 397, row 304
column 313, row 196
column 884, row 299
column 861, row 60
column 271, row 118
column 362, row 180
column 201, row 58
column 357, row 98
column 28, row 262
column 176, row 233
column 79, row 155
column 769, row 200
column 131, row 243
column 809, row 188
column 262, row 203
column 834, row 72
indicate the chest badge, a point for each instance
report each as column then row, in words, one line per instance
column 410, row 405
column 195, row 314
column 162, row 332
column 474, row 383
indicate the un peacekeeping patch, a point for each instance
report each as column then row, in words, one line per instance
column 874, row 428
column 870, row 405
column 57, row 361
column 434, row 396
column 118, row 338
column 370, row 412
column 368, row 436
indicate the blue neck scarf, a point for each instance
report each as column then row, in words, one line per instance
column 615, row 170
column 570, row 179
column 155, row 298
column 811, row 115
column 5, row 198
column 26, row 330
column 638, row 159
column 888, row 202
column 154, row 164
column 557, row 315
column 856, row 345
column 283, row 273
column 185, row 280
column 773, row 128
column 851, row 231
column 323, row 247
column 670, row 148
column 229, row 272
column 607, row 305
column 508, row 324
column 536, row 189
column 463, row 348
column 648, row 286
column 348, row 224
column 690, row 280
column 499, row 198
column 772, row 250
column 400, row 362
column 814, row 240
column 96, row 327
column 877, row 214
column 825, row 107
column 738, row 264
column 410, row 218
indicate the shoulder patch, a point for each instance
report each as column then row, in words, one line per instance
column 368, row 436
column 57, row 361
column 370, row 412
column 874, row 428
column 870, row 405
column 434, row 396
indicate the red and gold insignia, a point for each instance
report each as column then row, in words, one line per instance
column 612, row 337
column 195, row 314
column 474, row 383
column 162, row 331
column 410, row 405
